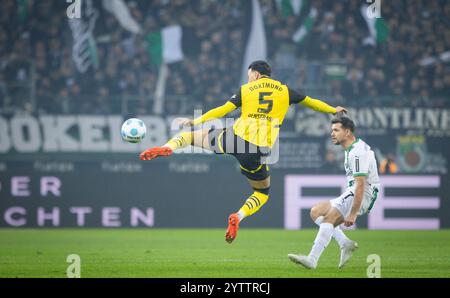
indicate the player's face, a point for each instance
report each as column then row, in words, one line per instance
column 338, row 133
column 253, row 75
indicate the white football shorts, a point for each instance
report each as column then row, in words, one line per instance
column 344, row 202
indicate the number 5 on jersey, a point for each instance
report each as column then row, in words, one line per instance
column 267, row 101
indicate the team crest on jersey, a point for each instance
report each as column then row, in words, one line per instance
column 349, row 171
column 348, row 168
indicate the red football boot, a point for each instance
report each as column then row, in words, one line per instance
column 233, row 226
column 152, row 153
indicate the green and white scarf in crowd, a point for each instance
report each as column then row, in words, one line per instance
column 378, row 28
column 301, row 33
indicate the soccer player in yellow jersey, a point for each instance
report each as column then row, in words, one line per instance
column 264, row 102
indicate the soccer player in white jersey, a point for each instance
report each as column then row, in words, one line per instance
column 358, row 198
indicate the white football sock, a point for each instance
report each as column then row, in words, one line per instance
column 319, row 220
column 340, row 237
column 338, row 234
column 241, row 215
column 322, row 240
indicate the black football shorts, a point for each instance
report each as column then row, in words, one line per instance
column 225, row 141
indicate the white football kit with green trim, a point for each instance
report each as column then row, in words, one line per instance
column 359, row 161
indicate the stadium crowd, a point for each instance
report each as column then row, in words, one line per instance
column 410, row 67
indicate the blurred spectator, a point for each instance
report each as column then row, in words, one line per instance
column 388, row 165
column 36, row 46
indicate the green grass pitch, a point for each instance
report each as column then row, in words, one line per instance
column 256, row 253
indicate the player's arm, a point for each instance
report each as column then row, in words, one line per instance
column 215, row 113
column 219, row 112
column 360, row 182
column 319, row 106
column 360, row 168
column 314, row 104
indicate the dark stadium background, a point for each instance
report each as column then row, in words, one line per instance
column 66, row 85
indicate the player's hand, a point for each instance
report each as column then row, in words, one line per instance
column 340, row 109
column 184, row 122
column 350, row 220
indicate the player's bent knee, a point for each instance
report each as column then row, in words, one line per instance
column 314, row 212
column 320, row 209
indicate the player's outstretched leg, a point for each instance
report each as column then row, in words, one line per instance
column 323, row 238
column 181, row 140
column 305, row 261
column 251, row 206
column 346, row 245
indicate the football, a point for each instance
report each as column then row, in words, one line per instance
column 133, row 130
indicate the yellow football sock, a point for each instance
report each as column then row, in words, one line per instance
column 253, row 203
column 181, row 140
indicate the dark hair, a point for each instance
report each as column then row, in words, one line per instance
column 345, row 121
column 262, row 67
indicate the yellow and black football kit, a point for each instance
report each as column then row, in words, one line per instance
column 264, row 104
